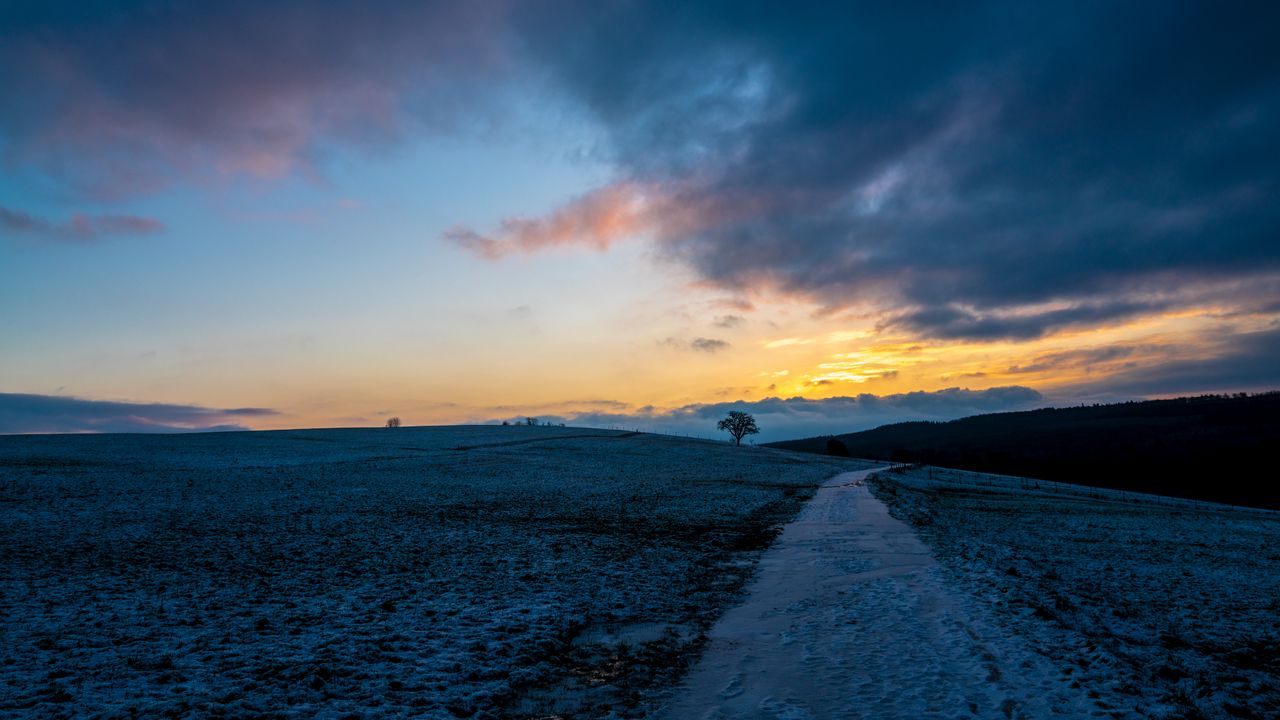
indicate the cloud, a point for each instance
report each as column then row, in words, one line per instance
column 708, row 345
column 1086, row 358
column 972, row 165
column 597, row 220
column 25, row 413
column 79, row 227
column 729, row 322
column 698, row 344
column 993, row 171
column 781, row 419
column 949, row 322
column 1238, row 362
column 739, row 304
column 601, row 404
column 787, row 342
column 120, row 98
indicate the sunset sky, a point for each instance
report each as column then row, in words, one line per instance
column 293, row 214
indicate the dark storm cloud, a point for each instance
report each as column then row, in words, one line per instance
column 970, row 161
column 22, row 413
column 783, row 418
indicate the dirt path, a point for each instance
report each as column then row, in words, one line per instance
column 849, row 617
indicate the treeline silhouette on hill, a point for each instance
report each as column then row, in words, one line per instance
column 1212, row 447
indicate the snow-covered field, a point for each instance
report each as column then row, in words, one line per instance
column 440, row 572
column 1153, row 608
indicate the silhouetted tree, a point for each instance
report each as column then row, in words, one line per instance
column 531, row 421
column 739, row 425
column 837, row 448
column 393, row 422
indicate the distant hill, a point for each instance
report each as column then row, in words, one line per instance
column 1200, row 447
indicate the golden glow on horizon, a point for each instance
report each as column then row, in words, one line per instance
column 619, row 365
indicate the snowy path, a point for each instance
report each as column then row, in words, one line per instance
column 849, row 617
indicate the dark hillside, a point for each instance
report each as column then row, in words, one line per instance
column 1220, row 448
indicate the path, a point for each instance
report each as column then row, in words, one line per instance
column 849, row 617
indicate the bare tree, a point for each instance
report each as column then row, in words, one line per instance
column 531, row 421
column 393, row 422
column 739, row 425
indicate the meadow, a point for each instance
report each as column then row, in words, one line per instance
column 1153, row 607
column 436, row 572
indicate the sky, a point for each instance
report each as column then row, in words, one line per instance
column 837, row 215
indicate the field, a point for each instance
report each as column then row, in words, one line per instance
column 538, row 572
column 440, row 572
column 1156, row 608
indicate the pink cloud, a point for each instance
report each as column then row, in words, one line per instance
column 596, row 220
column 132, row 102
column 672, row 213
column 675, row 216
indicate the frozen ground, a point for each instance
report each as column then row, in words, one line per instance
column 849, row 617
column 468, row 572
column 1152, row 608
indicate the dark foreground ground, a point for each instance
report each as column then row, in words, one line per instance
column 440, row 572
